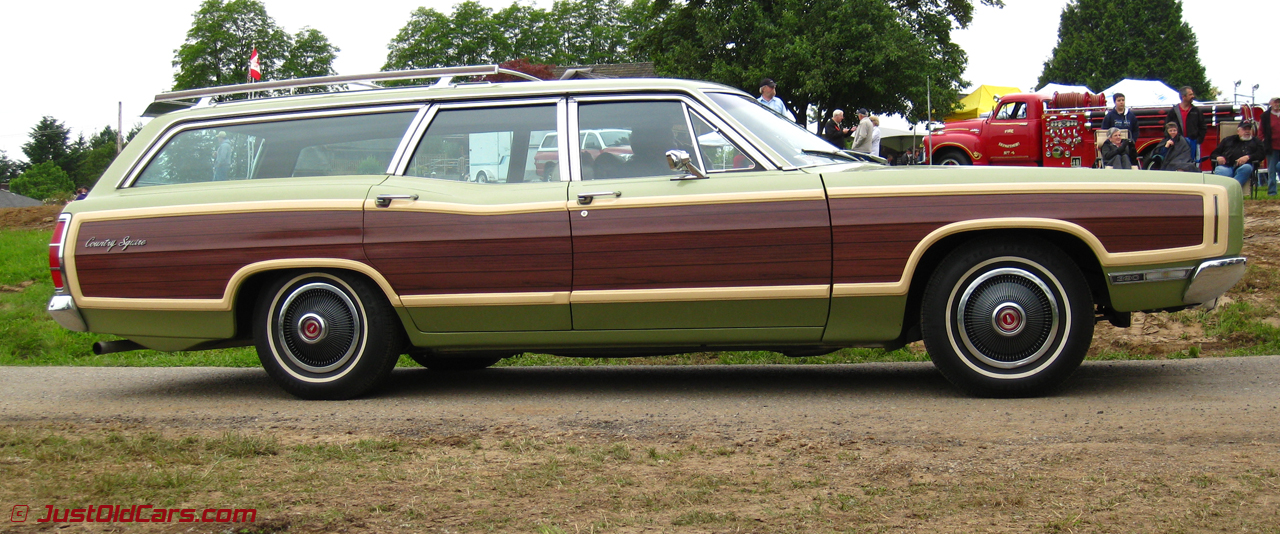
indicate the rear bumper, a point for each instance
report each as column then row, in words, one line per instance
column 1213, row 278
column 64, row 311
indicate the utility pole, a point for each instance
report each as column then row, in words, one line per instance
column 119, row 127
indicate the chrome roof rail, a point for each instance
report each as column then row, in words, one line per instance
column 172, row 100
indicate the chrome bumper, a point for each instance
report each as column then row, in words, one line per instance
column 64, row 311
column 1213, row 278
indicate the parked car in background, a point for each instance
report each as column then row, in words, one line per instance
column 341, row 230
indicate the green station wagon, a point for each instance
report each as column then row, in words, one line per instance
column 336, row 231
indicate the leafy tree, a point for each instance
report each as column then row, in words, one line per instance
column 42, row 181
column 224, row 34
column 311, row 55
column 10, row 169
column 50, row 141
column 99, row 152
column 878, row 54
column 1101, row 42
column 572, row 32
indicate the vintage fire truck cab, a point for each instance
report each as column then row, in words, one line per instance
column 1061, row 131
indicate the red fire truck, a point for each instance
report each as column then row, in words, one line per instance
column 1062, row 131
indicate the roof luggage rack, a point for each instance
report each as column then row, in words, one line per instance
column 176, row 100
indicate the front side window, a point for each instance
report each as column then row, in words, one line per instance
column 1012, row 110
column 718, row 152
column 640, row 134
column 503, row 144
column 319, row 146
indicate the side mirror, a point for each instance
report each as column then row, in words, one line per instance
column 678, row 160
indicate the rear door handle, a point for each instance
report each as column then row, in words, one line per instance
column 586, row 198
column 383, row 201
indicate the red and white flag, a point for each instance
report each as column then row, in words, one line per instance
column 255, row 68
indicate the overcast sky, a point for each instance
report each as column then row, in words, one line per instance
column 74, row 60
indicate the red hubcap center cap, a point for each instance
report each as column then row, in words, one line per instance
column 311, row 328
column 1009, row 319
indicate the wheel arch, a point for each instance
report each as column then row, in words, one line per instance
column 247, row 284
column 1081, row 253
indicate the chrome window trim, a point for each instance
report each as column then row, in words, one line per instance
column 750, row 145
column 693, row 136
column 571, row 132
column 709, row 172
column 562, row 129
column 399, row 159
column 132, row 176
column 428, row 116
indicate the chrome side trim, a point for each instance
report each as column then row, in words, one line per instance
column 64, row 311
column 1154, row 275
column 1213, row 278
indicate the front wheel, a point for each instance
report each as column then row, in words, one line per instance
column 1007, row 317
column 951, row 157
column 326, row 335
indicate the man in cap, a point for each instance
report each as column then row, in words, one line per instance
column 769, row 97
column 1237, row 155
column 862, row 136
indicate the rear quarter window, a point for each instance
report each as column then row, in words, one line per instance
column 317, row 146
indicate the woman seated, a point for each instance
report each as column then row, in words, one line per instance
column 1117, row 152
column 1175, row 152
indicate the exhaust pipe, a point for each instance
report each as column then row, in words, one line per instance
column 108, row 347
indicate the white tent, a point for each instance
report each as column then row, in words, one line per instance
column 1144, row 93
column 1052, row 88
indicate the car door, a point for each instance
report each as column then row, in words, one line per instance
column 468, row 256
column 1012, row 134
column 746, row 246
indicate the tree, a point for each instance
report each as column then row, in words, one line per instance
column 99, row 152
column 572, row 32
column 878, row 54
column 311, row 55
column 1101, row 42
column 42, row 181
column 50, row 141
column 10, row 169
column 224, row 34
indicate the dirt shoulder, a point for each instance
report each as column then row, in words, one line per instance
column 33, row 218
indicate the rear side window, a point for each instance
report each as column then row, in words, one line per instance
column 321, row 146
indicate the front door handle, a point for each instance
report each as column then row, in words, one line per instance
column 586, row 198
column 383, row 201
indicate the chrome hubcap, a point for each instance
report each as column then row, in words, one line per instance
column 1007, row 318
column 319, row 327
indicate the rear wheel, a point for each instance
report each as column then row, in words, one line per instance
column 1007, row 318
column 951, row 157
column 326, row 335
column 482, row 178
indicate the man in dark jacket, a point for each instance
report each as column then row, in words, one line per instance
column 1122, row 117
column 1190, row 119
column 832, row 131
column 1271, row 138
column 1237, row 154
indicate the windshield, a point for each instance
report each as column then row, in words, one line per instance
column 785, row 137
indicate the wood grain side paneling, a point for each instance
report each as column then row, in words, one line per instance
column 195, row 256
column 873, row 237
column 436, row 253
column 717, row 245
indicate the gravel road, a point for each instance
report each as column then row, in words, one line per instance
column 1201, row 401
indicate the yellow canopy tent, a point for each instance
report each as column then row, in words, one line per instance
column 981, row 100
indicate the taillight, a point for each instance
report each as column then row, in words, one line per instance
column 55, row 251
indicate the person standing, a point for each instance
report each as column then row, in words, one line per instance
column 862, row 136
column 222, row 158
column 1237, row 154
column 769, row 97
column 1190, row 119
column 875, row 135
column 832, row 131
column 1271, row 138
column 1122, row 117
